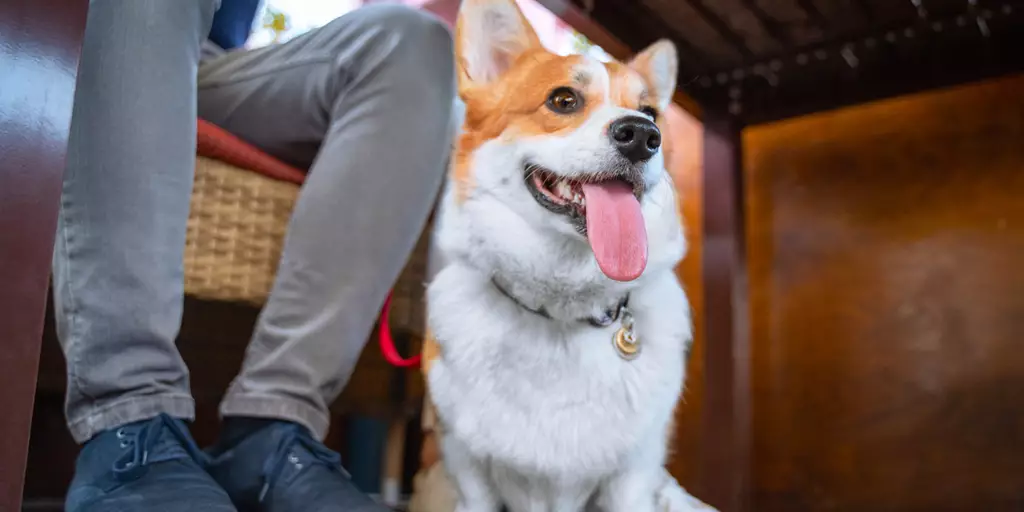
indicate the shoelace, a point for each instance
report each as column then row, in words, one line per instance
column 139, row 441
column 285, row 453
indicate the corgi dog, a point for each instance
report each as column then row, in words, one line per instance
column 557, row 328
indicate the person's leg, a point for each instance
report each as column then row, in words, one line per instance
column 118, row 259
column 366, row 102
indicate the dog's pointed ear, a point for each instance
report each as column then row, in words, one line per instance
column 659, row 67
column 489, row 36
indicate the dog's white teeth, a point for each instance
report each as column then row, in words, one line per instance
column 564, row 190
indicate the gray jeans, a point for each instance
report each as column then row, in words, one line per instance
column 364, row 102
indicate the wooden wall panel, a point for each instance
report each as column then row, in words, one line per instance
column 886, row 259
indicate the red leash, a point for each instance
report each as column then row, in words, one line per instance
column 387, row 343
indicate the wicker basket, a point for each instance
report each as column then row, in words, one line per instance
column 235, row 234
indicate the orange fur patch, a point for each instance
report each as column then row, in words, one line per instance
column 431, row 351
column 627, row 88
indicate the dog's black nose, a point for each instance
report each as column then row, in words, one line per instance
column 638, row 139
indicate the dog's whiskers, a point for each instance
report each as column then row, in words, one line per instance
column 533, row 169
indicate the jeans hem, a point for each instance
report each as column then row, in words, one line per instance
column 276, row 407
column 130, row 410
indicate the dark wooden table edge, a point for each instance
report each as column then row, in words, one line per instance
column 40, row 49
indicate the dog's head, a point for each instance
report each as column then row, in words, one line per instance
column 559, row 168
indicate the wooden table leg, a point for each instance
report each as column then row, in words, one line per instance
column 725, row 439
column 394, row 462
column 40, row 46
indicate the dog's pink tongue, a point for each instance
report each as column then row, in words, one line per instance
column 615, row 227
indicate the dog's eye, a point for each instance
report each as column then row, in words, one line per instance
column 565, row 101
column 649, row 111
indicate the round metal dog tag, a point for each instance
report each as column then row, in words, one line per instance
column 626, row 344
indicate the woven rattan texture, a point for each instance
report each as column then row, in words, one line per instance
column 236, row 230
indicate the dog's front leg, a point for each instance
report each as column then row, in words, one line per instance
column 646, row 491
column 469, row 475
column 671, row 497
column 631, row 490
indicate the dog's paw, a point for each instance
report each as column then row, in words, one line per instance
column 671, row 497
column 678, row 500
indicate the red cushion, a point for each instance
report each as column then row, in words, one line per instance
column 217, row 143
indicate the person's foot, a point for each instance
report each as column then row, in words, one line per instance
column 148, row 466
column 277, row 466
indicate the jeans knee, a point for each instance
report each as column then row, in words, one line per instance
column 419, row 29
column 414, row 32
column 415, row 24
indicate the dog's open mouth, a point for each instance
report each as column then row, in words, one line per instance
column 603, row 208
column 559, row 195
column 566, row 196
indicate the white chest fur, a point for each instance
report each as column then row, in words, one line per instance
column 552, row 399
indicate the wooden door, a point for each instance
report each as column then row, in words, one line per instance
column 886, row 259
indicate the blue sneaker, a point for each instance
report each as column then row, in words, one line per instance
column 280, row 467
column 150, row 466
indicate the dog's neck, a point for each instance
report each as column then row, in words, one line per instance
column 563, row 281
column 605, row 318
column 563, row 301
